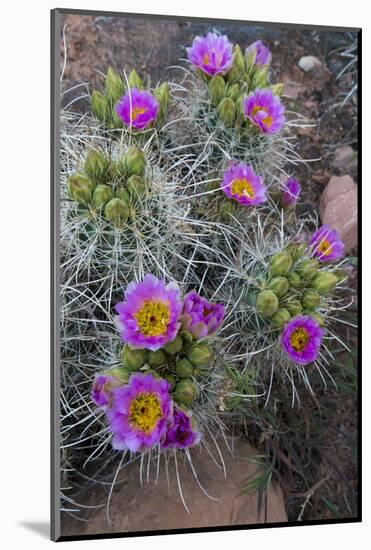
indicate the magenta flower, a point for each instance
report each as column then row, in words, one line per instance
column 140, row 413
column 181, row 434
column 149, row 316
column 264, row 110
column 301, row 339
column 242, row 184
column 137, row 108
column 326, row 244
column 212, row 54
column 200, row 317
column 102, row 390
column 263, row 55
column 290, row 192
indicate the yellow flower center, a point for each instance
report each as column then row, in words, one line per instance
column 267, row 120
column 206, row 59
column 137, row 111
column 324, row 247
column 153, row 317
column 242, row 187
column 299, row 339
column 145, row 411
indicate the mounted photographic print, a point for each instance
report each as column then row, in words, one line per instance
column 204, row 205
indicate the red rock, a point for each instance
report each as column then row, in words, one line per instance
column 338, row 208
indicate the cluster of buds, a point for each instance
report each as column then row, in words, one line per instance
column 129, row 105
column 110, row 189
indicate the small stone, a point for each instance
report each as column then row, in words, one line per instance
column 338, row 208
column 345, row 158
column 309, row 62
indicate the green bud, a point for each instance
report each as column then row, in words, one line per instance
column 121, row 374
column 161, row 93
column 186, row 336
column 250, row 58
column 171, row 379
column 341, row 274
column 80, row 188
column 311, row 300
column 134, row 161
column 279, row 285
column 175, row 346
column 239, row 108
column 278, row 89
column 122, row 194
column 100, row 106
column 96, row 166
column 317, row 317
column 227, row 111
column 233, row 91
column 185, row 391
column 281, row 317
column 117, row 212
column 226, row 210
column 216, row 89
column 184, row 368
column 238, row 66
column 156, row 358
column 294, row 307
column 260, row 78
column 133, row 359
column 266, row 303
column 200, row 355
column 134, row 80
column 102, row 194
column 294, row 279
column 307, row 269
column 136, row 186
column 297, row 251
column 324, row 282
column 280, row 263
column 113, row 85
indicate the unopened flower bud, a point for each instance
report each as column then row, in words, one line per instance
column 185, row 391
column 226, row 210
column 113, row 85
column 171, row 379
column 216, row 89
column 260, row 78
column 184, row 368
column 200, row 355
column 279, row 285
column 250, row 58
column 102, row 194
column 122, row 194
column 161, row 93
column 317, row 317
column 96, row 166
column 100, row 106
column 117, row 212
column 134, row 161
column 307, row 269
column 238, row 66
column 281, row 317
column 156, row 358
column 297, row 250
column 280, row 263
column 134, row 80
column 311, row 299
column 80, row 188
column 294, row 307
column 227, row 111
column 278, row 89
column 186, row 336
column 294, row 279
column 233, row 91
column 121, row 374
column 175, row 346
column 133, row 359
column 342, row 274
column 324, row 282
column 266, row 303
column 136, row 186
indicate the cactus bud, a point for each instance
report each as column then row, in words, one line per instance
column 113, row 85
column 324, row 282
column 161, row 93
column 280, row 263
column 227, row 111
column 317, row 317
column 307, row 269
column 80, row 188
column 156, row 358
column 216, row 89
column 239, row 108
column 233, row 91
column 297, row 250
column 117, row 212
column 133, row 359
column 294, row 307
column 226, row 210
column 96, row 166
column 279, row 285
column 266, row 303
column 278, row 89
column 100, row 106
column 136, row 186
column 184, row 368
column 134, row 80
column 175, row 346
column 171, row 379
column 122, row 194
column 260, row 78
column 121, row 374
column 311, row 300
column 294, row 279
column 238, row 66
column 250, row 58
column 281, row 317
column 134, row 161
column 185, row 391
column 341, row 274
column 102, row 194
column 186, row 336
column 200, row 355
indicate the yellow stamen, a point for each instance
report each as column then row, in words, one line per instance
column 299, row 339
column 137, row 111
column 145, row 410
column 206, row 59
column 153, row 317
column 242, row 188
column 267, row 120
column 324, row 247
